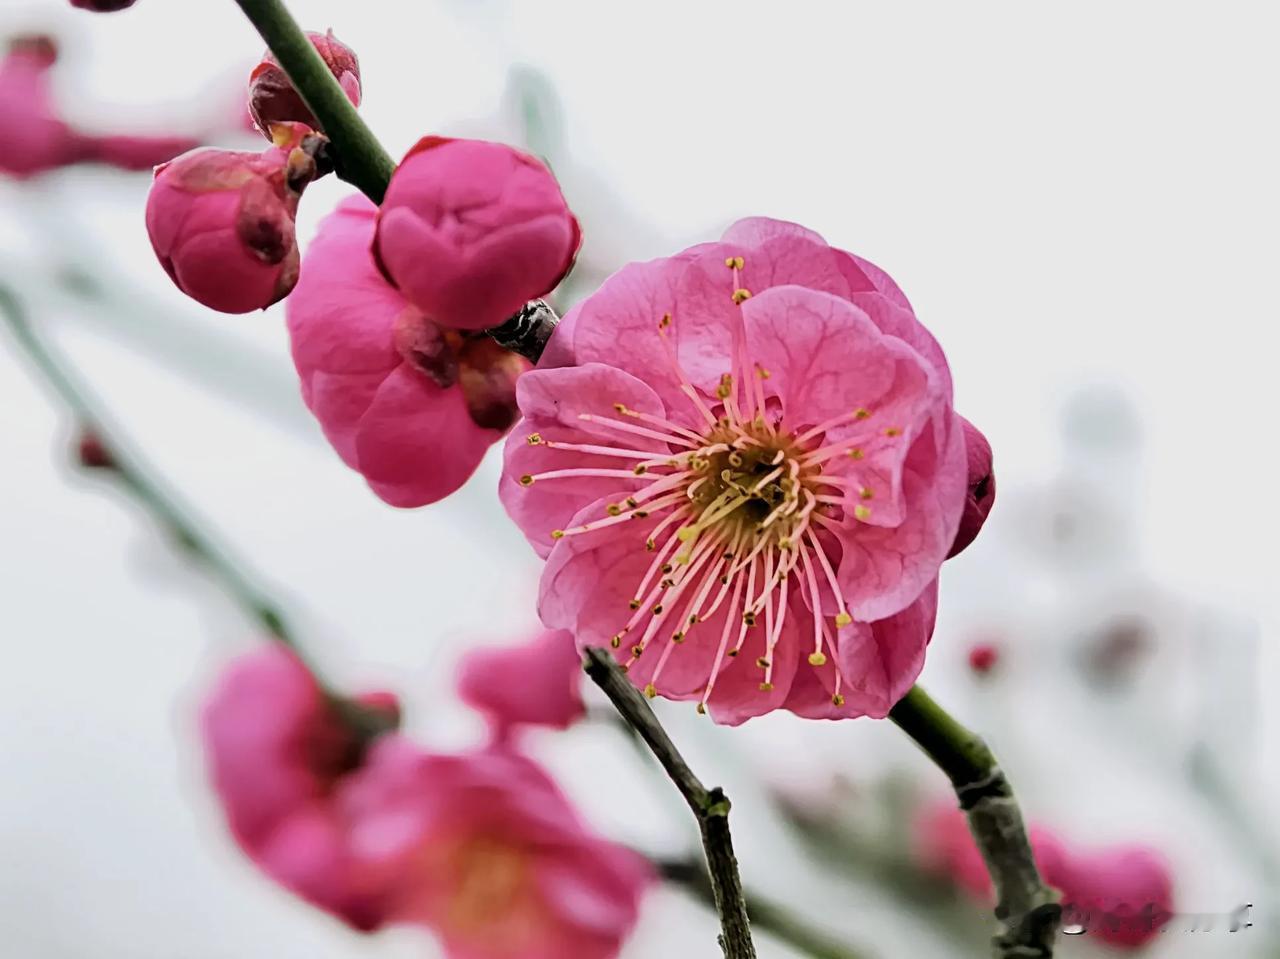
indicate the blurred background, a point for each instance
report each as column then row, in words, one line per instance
column 1081, row 202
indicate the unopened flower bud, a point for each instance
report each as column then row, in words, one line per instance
column 983, row 658
column 981, row 487
column 470, row 231
column 92, row 453
column 272, row 97
column 103, row 6
column 222, row 224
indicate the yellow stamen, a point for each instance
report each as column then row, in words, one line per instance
column 740, row 296
column 817, row 659
column 534, row 439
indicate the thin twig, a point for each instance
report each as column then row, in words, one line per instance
column 710, row 806
column 1027, row 909
column 358, row 156
column 774, row 918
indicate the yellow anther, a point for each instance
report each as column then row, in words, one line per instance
column 749, row 618
column 893, row 431
column 862, row 512
column 843, row 618
column 534, row 439
column 837, row 700
column 740, row 296
column 632, row 502
column 651, row 691
column 613, row 509
column 636, row 651
column 526, row 480
column 667, row 567
column 634, row 604
column 856, row 454
column 557, row 534
column 640, row 514
column 817, row 659
column 762, row 663
column 861, row 413
column 620, row 407
column 764, row 375
column 733, row 262
column 766, row 687
column 725, row 387
column 732, row 653
column 640, row 469
column 615, row 642
column 657, row 610
column 650, row 544
column 677, row 637
column 665, row 321
column 866, row 492
column 701, row 708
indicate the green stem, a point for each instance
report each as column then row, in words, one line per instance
column 767, row 915
column 135, row 476
column 1027, row 909
column 358, row 156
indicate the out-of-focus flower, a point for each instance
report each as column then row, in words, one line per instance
column 538, row 682
column 222, row 224
column 981, row 486
column 103, row 6
column 983, row 657
column 470, row 231
column 718, row 444
column 272, row 97
column 409, row 405
column 92, row 453
column 36, row 138
column 304, row 794
column 1122, row 895
column 507, row 869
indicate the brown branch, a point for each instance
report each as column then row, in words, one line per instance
column 710, row 806
column 1027, row 909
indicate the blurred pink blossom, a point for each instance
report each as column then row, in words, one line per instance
column 301, row 792
column 506, row 868
column 983, row 657
column 471, row 230
column 1122, row 895
column 409, row 405
column 36, row 139
column 719, row 443
column 537, row 682
column 272, row 97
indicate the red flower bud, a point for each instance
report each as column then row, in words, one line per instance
column 103, row 6
column 222, row 224
column 983, row 658
column 92, row 452
column 272, row 97
column 981, row 494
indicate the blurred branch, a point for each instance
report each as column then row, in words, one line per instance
column 135, row 477
column 358, row 156
column 710, row 806
column 1026, row 907
column 772, row 917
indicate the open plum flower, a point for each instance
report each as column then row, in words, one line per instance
column 743, row 467
column 411, row 406
column 506, row 868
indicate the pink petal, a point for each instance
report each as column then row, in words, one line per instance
column 880, row 661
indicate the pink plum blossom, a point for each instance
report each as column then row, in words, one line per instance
column 505, row 867
column 538, row 682
column 409, row 405
column 36, row 139
column 300, row 790
column 222, row 224
column 980, row 493
column 743, row 467
column 272, row 97
column 1122, row 895
column 471, row 230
